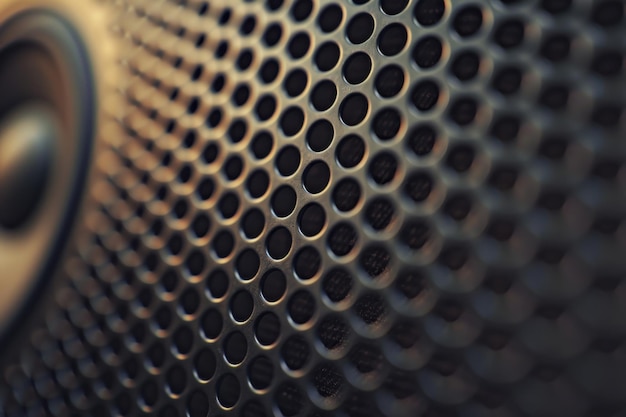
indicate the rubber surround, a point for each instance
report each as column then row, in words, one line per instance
column 45, row 70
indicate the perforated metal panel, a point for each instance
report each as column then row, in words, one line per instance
column 350, row 208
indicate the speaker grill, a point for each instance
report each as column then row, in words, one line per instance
column 353, row 208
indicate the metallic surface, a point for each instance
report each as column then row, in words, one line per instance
column 346, row 208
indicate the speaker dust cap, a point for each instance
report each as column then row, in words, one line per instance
column 48, row 122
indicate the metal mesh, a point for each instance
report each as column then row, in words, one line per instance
column 345, row 208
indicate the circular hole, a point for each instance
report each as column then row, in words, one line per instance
column 509, row 33
column 465, row 65
column 427, row 52
column 248, row 25
column 307, row 263
column 505, row 128
column 289, row 399
column 425, row 95
column 218, row 83
column 360, row 28
column 353, row 109
column 365, row 358
column 463, row 111
column 418, row 186
column 457, row 207
column 295, row 82
column 241, row 306
column 342, row 239
column 197, row 405
column 189, row 301
column 260, row 373
column 273, row 5
column 163, row 318
column 556, row 47
column 201, row 225
column 272, row 34
column 301, row 307
column 421, row 140
column 205, row 365
column 324, row 95
column 301, row 10
column 327, row 56
column 379, row 213
column 389, row 81
column 291, row 121
column 262, row 144
column 415, row 234
column 247, row 264
column 320, row 135
column 169, row 281
column 210, row 153
column 235, row 348
column 217, row 283
column 288, row 161
column 244, row 60
column 328, row 381
column 350, row 151
column 176, row 244
column 329, row 18
column 195, row 262
column 387, row 123
column 183, row 340
column 284, row 201
column 267, row 329
column 299, row 45
column 608, row 13
column 295, row 352
column 454, row 258
column 392, row 39
column 393, row 7
column 233, row 167
column 241, row 95
column 253, row 223
column 269, row 70
column 278, row 243
column 265, row 107
column 228, row 205
column 507, row 80
column 273, row 285
column 410, row 284
column 346, row 194
column 180, row 209
column 212, row 324
column 316, row 177
column 383, row 168
column 337, row 284
column 311, row 219
column 357, row 68
column 228, row 390
column 333, row 332
column 375, row 261
column 213, row 120
column 223, row 244
column 554, row 96
column 468, row 21
column 205, row 189
column 257, row 183
column 460, row 158
column 429, row 12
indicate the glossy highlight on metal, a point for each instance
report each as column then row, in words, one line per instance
column 340, row 208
